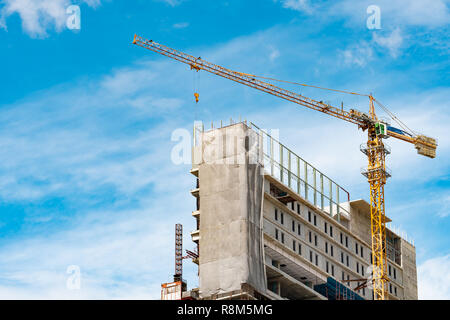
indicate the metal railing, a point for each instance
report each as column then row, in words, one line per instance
column 296, row 173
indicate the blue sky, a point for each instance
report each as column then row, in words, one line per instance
column 86, row 119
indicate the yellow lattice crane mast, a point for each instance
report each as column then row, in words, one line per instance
column 375, row 150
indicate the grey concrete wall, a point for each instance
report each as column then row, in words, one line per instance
column 409, row 270
column 231, row 193
column 360, row 225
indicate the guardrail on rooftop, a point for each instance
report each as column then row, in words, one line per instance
column 296, row 173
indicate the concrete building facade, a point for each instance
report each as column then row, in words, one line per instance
column 272, row 226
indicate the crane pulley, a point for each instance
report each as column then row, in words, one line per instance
column 375, row 149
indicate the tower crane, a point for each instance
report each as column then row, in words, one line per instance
column 376, row 151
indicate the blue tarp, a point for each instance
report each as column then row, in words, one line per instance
column 334, row 290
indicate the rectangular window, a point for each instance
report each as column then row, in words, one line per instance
column 282, row 237
column 342, row 239
column 310, row 256
column 298, row 229
column 310, row 236
column 342, row 257
column 293, row 226
column 389, row 270
column 293, row 245
column 315, row 220
column 343, row 275
column 348, row 261
column 298, row 208
column 276, row 234
column 326, row 227
column 395, row 274
column 332, row 270
column 356, row 248
column 292, row 206
column 326, row 247
column 317, row 260
column 362, row 253
column 309, row 216
column 326, row 266
column 276, row 215
column 315, row 240
column 395, row 290
column 362, row 270
column 390, row 288
column 282, row 217
column 331, row 250
column 299, row 249
column 346, row 240
column 357, row 267
column 331, row 231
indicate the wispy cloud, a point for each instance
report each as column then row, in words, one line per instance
column 39, row 16
column 109, row 140
column 400, row 21
column 445, row 206
column 391, row 42
column 121, row 254
column 275, row 54
column 357, row 54
column 181, row 25
column 172, row 3
column 422, row 13
column 434, row 278
column 400, row 13
column 298, row 5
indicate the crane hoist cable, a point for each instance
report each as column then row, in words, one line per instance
column 312, row 86
column 388, row 112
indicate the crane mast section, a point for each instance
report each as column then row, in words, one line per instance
column 248, row 80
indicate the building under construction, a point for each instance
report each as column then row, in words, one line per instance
column 272, row 226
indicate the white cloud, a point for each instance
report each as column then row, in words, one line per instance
column 172, row 3
column 434, row 278
column 445, row 206
column 362, row 53
column 181, row 25
column 71, row 147
column 392, row 42
column 121, row 255
column 405, row 20
column 298, row 5
column 274, row 54
column 38, row 16
column 358, row 54
column 79, row 141
column 398, row 13
column 432, row 13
